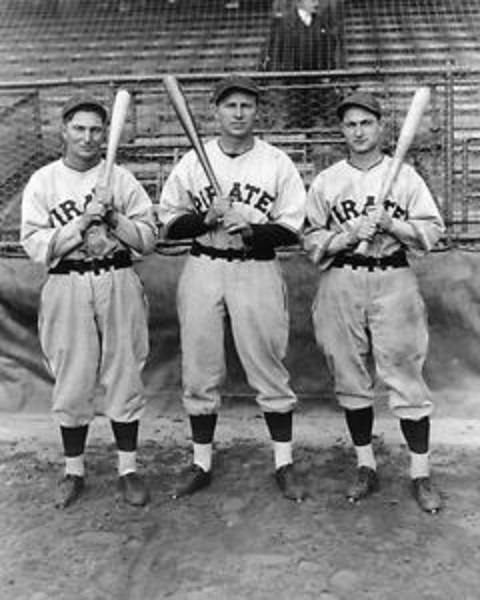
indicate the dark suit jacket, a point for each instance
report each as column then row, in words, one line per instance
column 294, row 46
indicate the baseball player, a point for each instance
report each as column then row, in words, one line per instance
column 93, row 313
column 232, row 271
column 368, row 308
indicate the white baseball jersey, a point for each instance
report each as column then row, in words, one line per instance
column 342, row 193
column 263, row 184
column 56, row 196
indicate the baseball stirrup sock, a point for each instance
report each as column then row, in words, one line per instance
column 360, row 425
column 203, row 428
column 126, row 435
column 279, row 425
column 417, row 434
column 74, row 440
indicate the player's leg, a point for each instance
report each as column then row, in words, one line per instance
column 69, row 342
column 360, row 427
column 201, row 313
column 400, row 332
column 257, row 304
column 341, row 332
column 121, row 312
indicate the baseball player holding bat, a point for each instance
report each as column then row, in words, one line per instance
column 232, row 271
column 368, row 313
column 93, row 313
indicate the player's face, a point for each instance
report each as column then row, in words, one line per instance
column 236, row 115
column 362, row 130
column 83, row 136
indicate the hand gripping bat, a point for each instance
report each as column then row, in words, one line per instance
column 409, row 129
column 98, row 243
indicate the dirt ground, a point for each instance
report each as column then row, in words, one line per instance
column 239, row 539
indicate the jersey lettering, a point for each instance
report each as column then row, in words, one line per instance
column 347, row 209
column 199, row 202
column 65, row 212
column 252, row 190
column 235, row 193
column 369, row 203
column 264, row 202
column 246, row 193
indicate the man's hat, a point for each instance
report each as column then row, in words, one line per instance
column 234, row 82
column 363, row 100
column 82, row 101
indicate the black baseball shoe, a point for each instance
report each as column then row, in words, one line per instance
column 365, row 484
column 287, row 480
column 68, row 490
column 193, row 479
column 133, row 489
column 427, row 497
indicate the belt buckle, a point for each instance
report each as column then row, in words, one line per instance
column 94, row 264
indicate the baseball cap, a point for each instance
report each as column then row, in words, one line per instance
column 363, row 100
column 234, row 82
column 79, row 101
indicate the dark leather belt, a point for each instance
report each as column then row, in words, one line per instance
column 357, row 261
column 119, row 260
column 232, row 253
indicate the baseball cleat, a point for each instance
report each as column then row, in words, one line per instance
column 133, row 489
column 69, row 489
column 194, row 479
column 427, row 497
column 365, row 484
column 288, row 483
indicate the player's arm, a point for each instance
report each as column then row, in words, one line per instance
column 131, row 217
column 187, row 226
column 423, row 227
column 262, row 236
column 41, row 240
column 179, row 218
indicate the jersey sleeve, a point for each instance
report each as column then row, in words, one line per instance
column 136, row 225
column 423, row 217
column 289, row 207
column 39, row 237
column 174, row 199
column 316, row 236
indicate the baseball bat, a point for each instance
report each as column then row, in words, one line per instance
column 418, row 105
column 184, row 114
column 117, row 122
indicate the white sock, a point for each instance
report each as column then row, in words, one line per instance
column 282, row 452
column 127, row 462
column 202, row 455
column 75, row 465
column 419, row 465
column 365, row 456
